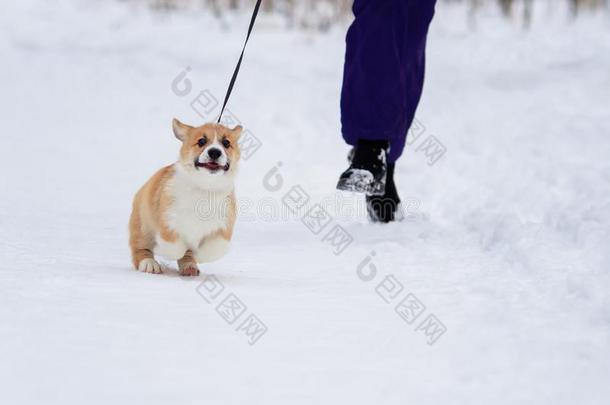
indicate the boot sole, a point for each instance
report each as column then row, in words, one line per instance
column 362, row 181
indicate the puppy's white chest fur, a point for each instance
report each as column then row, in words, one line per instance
column 194, row 214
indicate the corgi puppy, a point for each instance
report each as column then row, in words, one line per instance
column 186, row 211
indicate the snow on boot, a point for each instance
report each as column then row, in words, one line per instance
column 350, row 155
column 367, row 171
column 385, row 208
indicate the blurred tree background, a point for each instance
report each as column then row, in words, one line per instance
column 322, row 14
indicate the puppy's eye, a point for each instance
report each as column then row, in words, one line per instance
column 226, row 143
column 202, row 141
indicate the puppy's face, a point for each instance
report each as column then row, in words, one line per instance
column 209, row 151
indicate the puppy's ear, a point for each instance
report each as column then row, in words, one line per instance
column 236, row 132
column 180, row 130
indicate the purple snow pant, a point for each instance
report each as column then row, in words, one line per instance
column 384, row 70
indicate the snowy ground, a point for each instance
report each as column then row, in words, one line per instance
column 506, row 243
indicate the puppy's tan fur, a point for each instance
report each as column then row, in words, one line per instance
column 184, row 210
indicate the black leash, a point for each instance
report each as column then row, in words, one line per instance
column 241, row 57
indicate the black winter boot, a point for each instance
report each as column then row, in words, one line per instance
column 385, row 208
column 367, row 171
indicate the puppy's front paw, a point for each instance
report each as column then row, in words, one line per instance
column 189, row 270
column 149, row 265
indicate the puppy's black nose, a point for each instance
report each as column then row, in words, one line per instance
column 214, row 153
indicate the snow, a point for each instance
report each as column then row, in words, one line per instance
column 505, row 242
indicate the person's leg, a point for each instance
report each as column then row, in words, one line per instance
column 382, row 85
column 384, row 70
